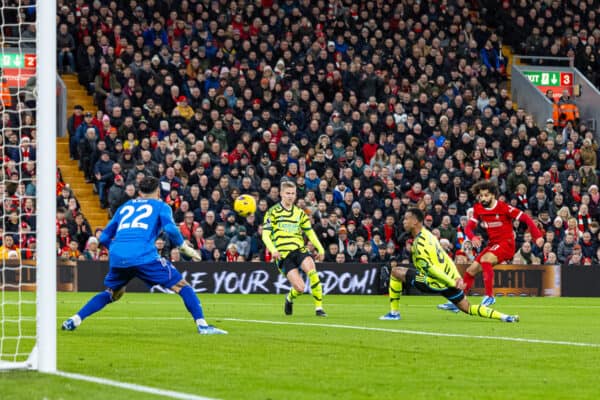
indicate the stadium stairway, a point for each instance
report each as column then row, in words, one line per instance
column 88, row 200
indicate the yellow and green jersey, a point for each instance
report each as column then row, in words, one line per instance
column 285, row 230
column 436, row 268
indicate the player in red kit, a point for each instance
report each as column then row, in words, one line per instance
column 496, row 217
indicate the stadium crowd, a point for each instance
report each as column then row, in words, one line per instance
column 369, row 106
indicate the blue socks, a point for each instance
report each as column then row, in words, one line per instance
column 99, row 301
column 192, row 302
column 95, row 304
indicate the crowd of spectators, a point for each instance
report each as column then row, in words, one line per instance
column 551, row 28
column 369, row 106
column 17, row 147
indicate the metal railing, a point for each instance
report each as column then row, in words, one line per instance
column 547, row 61
column 61, row 107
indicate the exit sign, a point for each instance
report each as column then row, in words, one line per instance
column 539, row 78
column 16, row 60
column 555, row 81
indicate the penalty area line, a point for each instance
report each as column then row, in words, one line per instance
column 420, row 333
column 132, row 386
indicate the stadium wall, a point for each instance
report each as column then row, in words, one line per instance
column 511, row 280
column 246, row 278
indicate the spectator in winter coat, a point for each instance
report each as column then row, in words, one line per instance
column 242, row 242
column 565, row 248
column 103, row 175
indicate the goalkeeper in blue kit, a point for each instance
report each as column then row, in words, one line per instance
column 130, row 237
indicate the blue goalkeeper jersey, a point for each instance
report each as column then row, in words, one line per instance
column 131, row 233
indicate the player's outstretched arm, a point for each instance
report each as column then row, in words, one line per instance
column 168, row 225
column 470, row 232
column 266, row 238
column 310, row 234
column 266, row 234
column 314, row 239
column 175, row 236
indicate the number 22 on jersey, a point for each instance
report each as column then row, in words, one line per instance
column 136, row 215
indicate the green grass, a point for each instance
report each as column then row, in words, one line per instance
column 150, row 340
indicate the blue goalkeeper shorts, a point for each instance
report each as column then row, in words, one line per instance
column 160, row 272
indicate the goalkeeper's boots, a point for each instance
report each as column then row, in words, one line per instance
column 449, row 306
column 288, row 308
column 69, row 325
column 320, row 313
column 210, row 330
column 391, row 316
column 511, row 318
column 488, row 301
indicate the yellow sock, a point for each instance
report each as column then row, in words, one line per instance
column 485, row 312
column 394, row 290
column 316, row 288
column 292, row 295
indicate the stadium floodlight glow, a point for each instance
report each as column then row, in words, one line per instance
column 27, row 319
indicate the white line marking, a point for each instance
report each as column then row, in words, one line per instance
column 421, row 333
column 368, row 328
column 132, row 386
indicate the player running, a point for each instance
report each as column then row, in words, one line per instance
column 435, row 272
column 283, row 229
column 496, row 217
column 131, row 235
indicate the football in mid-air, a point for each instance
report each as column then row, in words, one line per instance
column 244, row 205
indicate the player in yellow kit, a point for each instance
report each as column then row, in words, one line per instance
column 435, row 273
column 284, row 228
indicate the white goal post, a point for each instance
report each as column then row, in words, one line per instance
column 46, row 123
column 15, row 306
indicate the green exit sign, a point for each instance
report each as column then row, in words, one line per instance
column 543, row 78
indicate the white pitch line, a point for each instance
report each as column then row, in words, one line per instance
column 132, row 386
column 368, row 328
column 421, row 333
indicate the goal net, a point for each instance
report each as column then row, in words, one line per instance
column 27, row 179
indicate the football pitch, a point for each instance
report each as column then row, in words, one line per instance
column 149, row 340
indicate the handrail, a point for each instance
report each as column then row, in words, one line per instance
column 524, row 57
column 61, row 107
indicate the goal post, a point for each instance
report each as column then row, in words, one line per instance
column 28, row 99
column 46, row 199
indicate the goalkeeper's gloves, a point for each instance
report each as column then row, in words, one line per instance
column 189, row 252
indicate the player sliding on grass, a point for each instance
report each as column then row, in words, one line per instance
column 283, row 229
column 130, row 236
column 496, row 217
column 435, row 273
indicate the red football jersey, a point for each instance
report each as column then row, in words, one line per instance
column 497, row 221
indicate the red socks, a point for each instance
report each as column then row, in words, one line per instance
column 488, row 278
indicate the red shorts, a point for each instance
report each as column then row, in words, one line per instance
column 503, row 252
